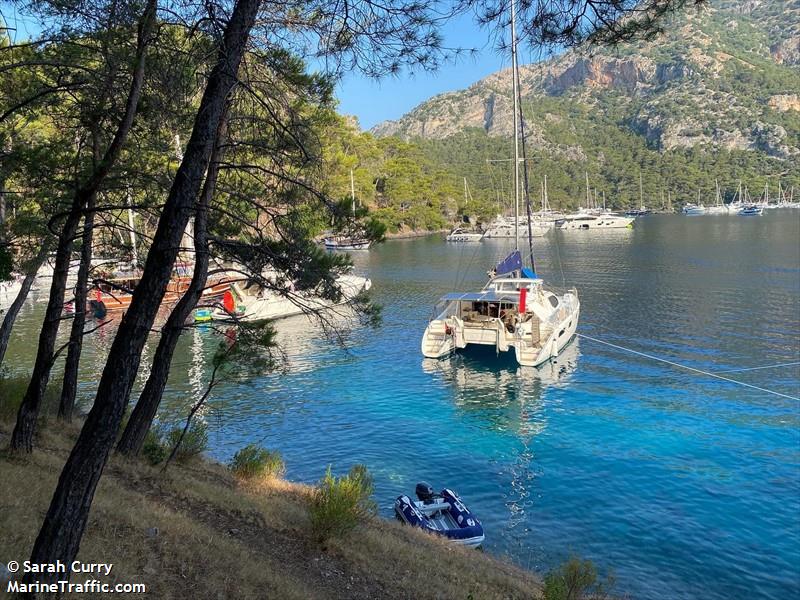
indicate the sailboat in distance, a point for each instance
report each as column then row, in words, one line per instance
column 348, row 242
column 514, row 310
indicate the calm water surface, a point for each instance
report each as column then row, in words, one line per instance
column 685, row 486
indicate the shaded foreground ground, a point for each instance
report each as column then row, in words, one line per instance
column 196, row 532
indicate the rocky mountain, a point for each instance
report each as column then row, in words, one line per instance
column 724, row 76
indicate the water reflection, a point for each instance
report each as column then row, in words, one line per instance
column 506, row 399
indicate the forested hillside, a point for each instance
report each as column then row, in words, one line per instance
column 713, row 98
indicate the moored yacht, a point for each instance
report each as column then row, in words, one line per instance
column 693, row 209
column 503, row 228
column 751, row 210
column 599, row 221
column 464, row 234
column 514, row 310
column 253, row 302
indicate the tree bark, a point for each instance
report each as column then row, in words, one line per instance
column 16, row 306
column 144, row 412
column 61, row 532
column 69, row 387
column 22, row 437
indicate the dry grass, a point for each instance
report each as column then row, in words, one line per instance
column 221, row 538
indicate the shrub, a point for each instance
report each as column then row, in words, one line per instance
column 576, row 579
column 338, row 505
column 195, row 441
column 255, row 462
column 11, row 392
column 154, row 449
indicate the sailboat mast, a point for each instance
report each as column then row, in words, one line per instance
column 516, row 119
column 134, row 254
column 353, row 192
column 588, row 195
column 641, row 193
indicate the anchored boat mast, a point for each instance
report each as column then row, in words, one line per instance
column 515, row 76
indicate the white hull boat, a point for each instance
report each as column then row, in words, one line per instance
column 346, row 243
column 514, row 310
column 511, row 312
column 461, row 234
column 693, row 209
column 600, row 221
column 504, row 229
column 253, row 303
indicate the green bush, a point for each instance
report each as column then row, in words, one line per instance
column 194, row 443
column 12, row 389
column 576, row 579
column 154, row 450
column 338, row 505
column 255, row 462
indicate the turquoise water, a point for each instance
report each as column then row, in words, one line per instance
column 683, row 485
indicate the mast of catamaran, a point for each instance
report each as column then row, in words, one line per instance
column 515, row 76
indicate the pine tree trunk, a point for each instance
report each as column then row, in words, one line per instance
column 69, row 387
column 144, row 412
column 61, row 532
column 16, row 306
column 22, row 436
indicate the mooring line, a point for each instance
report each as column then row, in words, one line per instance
column 789, row 364
column 686, row 367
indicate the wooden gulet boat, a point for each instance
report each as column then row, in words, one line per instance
column 115, row 294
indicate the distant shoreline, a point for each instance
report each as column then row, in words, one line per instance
column 405, row 235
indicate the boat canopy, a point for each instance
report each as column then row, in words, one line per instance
column 484, row 296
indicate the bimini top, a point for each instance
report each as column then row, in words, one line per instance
column 484, row 296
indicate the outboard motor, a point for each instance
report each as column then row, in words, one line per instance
column 425, row 492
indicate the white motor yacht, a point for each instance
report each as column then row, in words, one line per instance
column 598, row 221
column 252, row 302
column 463, row 234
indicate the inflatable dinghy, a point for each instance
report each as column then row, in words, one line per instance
column 443, row 514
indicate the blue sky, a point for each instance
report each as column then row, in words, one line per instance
column 390, row 98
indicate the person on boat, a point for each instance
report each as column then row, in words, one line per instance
column 508, row 317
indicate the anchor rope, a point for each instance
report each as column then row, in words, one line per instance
column 687, row 367
column 789, row 364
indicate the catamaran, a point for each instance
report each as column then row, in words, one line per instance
column 514, row 310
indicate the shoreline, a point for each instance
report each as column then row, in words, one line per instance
column 197, row 530
column 412, row 234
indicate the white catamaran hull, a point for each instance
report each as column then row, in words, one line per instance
column 546, row 327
